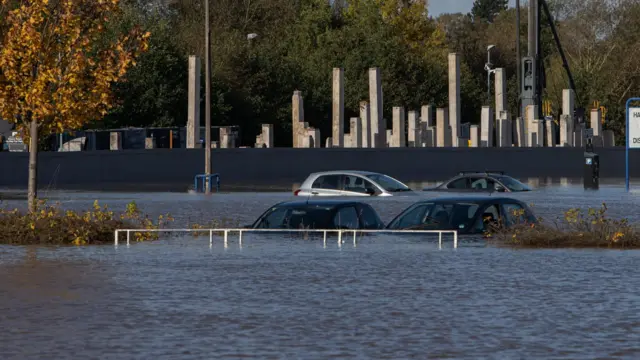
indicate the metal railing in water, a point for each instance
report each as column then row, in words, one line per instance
column 240, row 231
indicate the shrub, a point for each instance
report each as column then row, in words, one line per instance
column 50, row 225
column 576, row 229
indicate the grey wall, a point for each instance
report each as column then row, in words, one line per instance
column 175, row 168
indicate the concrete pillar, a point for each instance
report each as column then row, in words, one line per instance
column 521, row 133
column 267, row 135
column 500, row 90
column 399, row 132
column 115, row 140
column 535, row 135
column 355, row 132
column 389, row 138
column 313, row 137
column 426, row 115
column 365, row 120
column 297, row 118
column 503, row 130
column 578, row 135
column 596, row 122
column 566, row 134
column 443, row 131
column 454, row 97
column 328, row 142
column 378, row 125
column 608, row 138
column 427, row 135
column 551, row 133
column 224, row 136
column 568, row 107
column 413, row 135
column 337, row 113
column 150, row 143
column 486, row 127
column 474, row 135
column 193, row 115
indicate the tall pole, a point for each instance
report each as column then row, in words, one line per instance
column 518, row 61
column 489, row 77
column 207, row 101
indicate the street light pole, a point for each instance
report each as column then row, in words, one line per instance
column 207, row 101
column 489, row 71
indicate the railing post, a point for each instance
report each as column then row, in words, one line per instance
column 354, row 238
column 128, row 236
column 324, row 240
column 225, row 238
column 210, row 237
column 340, row 237
column 440, row 238
column 455, row 239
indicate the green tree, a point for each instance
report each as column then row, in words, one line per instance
column 486, row 10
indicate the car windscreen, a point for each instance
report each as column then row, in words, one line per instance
column 296, row 218
column 513, row 184
column 387, row 183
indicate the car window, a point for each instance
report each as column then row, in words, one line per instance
column 387, row 183
column 412, row 217
column 346, row 218
column 490, row 215
column 273, row 219
column 357, row 184
column 514, row 213
column 370, row 219
column 513, row 184
column 329, row 182
column 482, row 183
column 458, row 184
column 460, row 215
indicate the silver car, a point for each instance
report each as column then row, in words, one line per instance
column 351, row 183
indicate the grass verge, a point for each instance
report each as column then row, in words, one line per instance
column 50, row 225
column 576, row 229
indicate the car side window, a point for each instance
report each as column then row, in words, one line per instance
column 514, row 213
column 482, row 183
column 329, row 182
column 356, row 184
column 370, row 220
column 346, row 218
column 413, row 217
column 490, row 215
column 458, row 184
column 274, row 219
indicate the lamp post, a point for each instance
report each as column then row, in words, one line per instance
column 207, row 101
column 487, row 67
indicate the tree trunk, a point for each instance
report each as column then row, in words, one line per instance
column 33, row 166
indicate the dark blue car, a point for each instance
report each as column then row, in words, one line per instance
column 319, row 214
column 467, row 215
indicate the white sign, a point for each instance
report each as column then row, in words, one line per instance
column 633, row 138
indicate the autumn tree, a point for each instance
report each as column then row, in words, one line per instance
column 58, row 64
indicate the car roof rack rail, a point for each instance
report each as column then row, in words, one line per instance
column 482, row 172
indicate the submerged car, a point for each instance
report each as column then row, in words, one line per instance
column 351, row 183
column 319, row 214
column 467, row 215
column 477, row 181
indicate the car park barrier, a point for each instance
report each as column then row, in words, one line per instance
column 240, row 231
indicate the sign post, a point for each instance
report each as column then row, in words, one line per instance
column 632, row 134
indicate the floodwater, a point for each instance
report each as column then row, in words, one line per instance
column 274, row 298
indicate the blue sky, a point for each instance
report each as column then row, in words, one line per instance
column 437, row 7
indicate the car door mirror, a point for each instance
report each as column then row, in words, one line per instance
column 370, row 191
column 499, row 188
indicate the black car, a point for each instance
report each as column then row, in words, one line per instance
column 319, row 214
column 478, row 181
column 467, row 215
